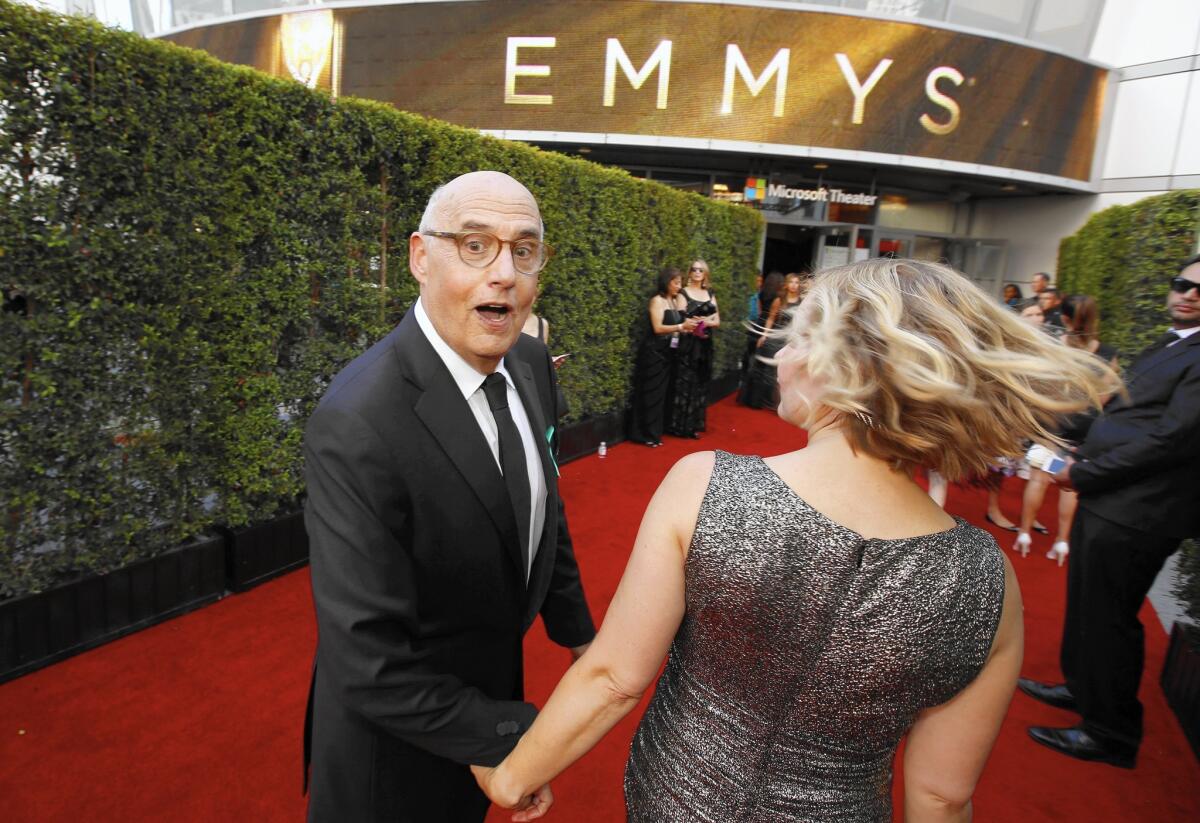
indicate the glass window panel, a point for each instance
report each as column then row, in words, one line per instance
column 1067, row 24
column 197, row 11
column 903, row 212
column 927, row 9
column 1009, row 17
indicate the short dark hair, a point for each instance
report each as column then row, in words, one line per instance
column 1048, row 290
column 1015, row 288
column 665, row 277
column 1191, row 261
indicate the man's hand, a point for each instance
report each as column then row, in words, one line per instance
column 578, row 651
column 526, row 806
column 1063, row 475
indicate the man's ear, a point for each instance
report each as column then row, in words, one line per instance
column 418, row 257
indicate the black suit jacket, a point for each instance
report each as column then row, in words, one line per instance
column 419, row 585
column 1141, row 458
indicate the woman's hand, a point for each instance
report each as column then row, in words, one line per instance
column 690, row 324
column 527, row 806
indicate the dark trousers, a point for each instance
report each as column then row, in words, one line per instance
column 1111, row 568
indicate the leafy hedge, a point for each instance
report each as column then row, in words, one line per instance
column 190, row 250
column 1124, row 257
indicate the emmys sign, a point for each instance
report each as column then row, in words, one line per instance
column 746, row 77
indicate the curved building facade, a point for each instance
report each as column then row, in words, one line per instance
column 926, row 128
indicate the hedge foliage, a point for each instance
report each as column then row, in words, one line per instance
column 1124, row 256
column 190, row 250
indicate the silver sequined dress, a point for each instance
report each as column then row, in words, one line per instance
column 805, row 654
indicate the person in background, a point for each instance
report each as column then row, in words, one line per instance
column 1136, row 475
column 537, row 328
column 1050, row 302
column 750, row 391
column 1013, row 297
column 688, row 403
column 1081, row 321
column 764, row 391
column 856, row 613
column 1033, row 316
column 753, row 331
column 1038, row 283
column 657, row 358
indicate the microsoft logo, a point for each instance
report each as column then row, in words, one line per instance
column 756, row 188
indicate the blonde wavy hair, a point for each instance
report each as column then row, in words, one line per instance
column 927, row 370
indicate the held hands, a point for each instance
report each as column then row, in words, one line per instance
column 526, row 806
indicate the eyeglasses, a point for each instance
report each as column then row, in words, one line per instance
column 479, row 249
column 1182, row 285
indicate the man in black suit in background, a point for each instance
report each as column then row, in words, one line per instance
column 1138, row 476
column 437, row 534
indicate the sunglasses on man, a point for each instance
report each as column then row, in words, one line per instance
column 1182, row 285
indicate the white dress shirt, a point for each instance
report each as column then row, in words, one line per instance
column 1183, row 334
column 470, row 383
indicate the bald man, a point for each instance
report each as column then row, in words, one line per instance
column 437, row 534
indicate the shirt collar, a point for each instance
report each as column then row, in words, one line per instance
column 465, row 376
column 1184, row 334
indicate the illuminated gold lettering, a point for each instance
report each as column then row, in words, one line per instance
column 861, row 90
column 660, row 59
column 735, row 61
column 513, row 70
column 945, row 101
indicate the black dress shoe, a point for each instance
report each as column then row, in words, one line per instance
column 1056, row 695
column 1010, row 528
column 1077, row 743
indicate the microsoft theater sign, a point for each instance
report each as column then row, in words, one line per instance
column 763, row 193
column 732, row 76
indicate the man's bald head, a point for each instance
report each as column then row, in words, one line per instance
column 449, row 197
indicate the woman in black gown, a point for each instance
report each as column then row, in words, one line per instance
column 656, row 359
column 688, row 399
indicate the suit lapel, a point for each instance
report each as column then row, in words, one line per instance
column 445, row 413
column 1154, row 359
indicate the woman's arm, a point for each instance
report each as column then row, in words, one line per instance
column 949, row 744
column 658, row 306
column 770, row 324
column 610, row 679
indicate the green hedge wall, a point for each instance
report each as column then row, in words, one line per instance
column 1124, row 256
column 190, row 250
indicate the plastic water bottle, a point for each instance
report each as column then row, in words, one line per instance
column 602, row 452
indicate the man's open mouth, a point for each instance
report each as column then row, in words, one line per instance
column 493, row 312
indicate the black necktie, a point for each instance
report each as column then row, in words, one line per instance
column 512, row 457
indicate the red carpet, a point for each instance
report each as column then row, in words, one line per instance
column 199, row 718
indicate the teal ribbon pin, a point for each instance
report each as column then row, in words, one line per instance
column 549, row 440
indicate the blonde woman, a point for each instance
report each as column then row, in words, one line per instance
column 801, row 655
column 688, row 404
